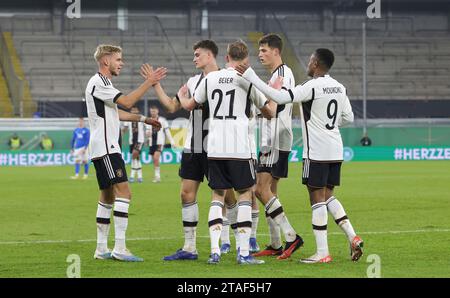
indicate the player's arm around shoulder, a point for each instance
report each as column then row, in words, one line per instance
column 303, row 92
column 279, row 96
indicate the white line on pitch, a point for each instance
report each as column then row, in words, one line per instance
column 172, row 238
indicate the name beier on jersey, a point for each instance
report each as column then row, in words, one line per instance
column 225, row 80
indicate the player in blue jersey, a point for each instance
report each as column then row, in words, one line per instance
column 79, row 149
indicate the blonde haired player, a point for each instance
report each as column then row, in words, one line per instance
column 105, row 152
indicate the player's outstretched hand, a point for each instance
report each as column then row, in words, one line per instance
column 241, row 68
column 154, row 123
column 277, row 84
column 146, row 70
column 153, row 76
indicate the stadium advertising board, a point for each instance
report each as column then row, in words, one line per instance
column 173, row 156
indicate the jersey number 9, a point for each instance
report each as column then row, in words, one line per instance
column 332, row 114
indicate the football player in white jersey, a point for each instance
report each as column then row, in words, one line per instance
column 104, row 146
column 325, row 107
column 229, row 149
column 194, row 162
column 136, row 137
column 157, row 139
column 275, row 146
column 228, row 212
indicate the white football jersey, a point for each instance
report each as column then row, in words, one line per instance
column 197, row 128
column 136, row 132
column 103, row 116
column 230, row 100
column 277, row 133
column 325, row 107
column 158, row 137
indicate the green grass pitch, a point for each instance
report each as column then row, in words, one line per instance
column 400, row 209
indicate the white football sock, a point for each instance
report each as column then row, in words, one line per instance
column 133, row 168
column 274, row 231
column 225, row 235
column 139, row 168
column 337, row 211
column 103, row 224
column 319, row 223
column 121, row 206
column 244, row 226
column 189, row 214
column 255, row 220
column 215, row 221
column 275, row 211
column 232, row 212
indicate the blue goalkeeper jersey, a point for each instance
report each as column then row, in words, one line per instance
column 80, row 138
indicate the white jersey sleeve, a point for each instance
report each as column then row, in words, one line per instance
column 200, row 95
column 304, row 92
column 106, row 93
column 279, row 96
column 193, row 83
column 258, row 99
column 300, row 93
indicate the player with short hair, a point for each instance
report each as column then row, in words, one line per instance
column 325, row 108
column 157, row 139
column 136, row 135
column 102, row 101
column 79, row 148
column 275, row 144
column 194, row 162
column 229, row 153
